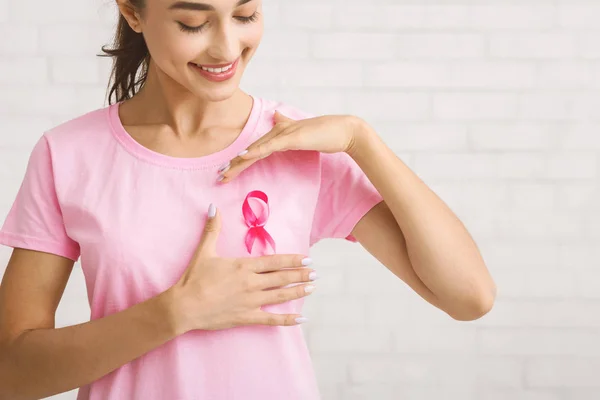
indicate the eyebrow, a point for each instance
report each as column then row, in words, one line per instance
column 186, row 5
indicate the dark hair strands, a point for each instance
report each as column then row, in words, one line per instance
column 129, row 52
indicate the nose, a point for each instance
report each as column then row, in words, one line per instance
column 224, row 46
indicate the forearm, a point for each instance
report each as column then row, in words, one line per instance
column 44, row 362
column 441, row 251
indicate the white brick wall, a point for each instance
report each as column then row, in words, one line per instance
column 494, row 104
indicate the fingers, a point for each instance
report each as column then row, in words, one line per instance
column 278, row 296
column 266, row 148
column 210, row 235
column 263, row 147
column 276, row 131
column 265, row 318
column 276, row 262
column 283, row 278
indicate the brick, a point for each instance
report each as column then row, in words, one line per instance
column 4, row 10
column 332, row 369
column 43, row 101
column 428, row 136
column 446, row 16
column 286, row 45
column 22, row 132
column 512, row 16
column 578, row 195
column 513, row 136
column 532, row 45
column 389, row 106
column 306, row 15
column 331, row 74
column 520, row 394
column 492, row 75
column 47, row 12
column 474, row 106
column 74, row 70
column 456, row 166
column 543, row 313
column 532, row 196
column 578, row 16
column 518, row 256
column 454, row 340
column 580, row 136
column 407, row 74
column 573, row 165
column 522, row 165
column 72, row 39
column 438, row 45
column 339, row 310
column 23, row 40
column 572, row 372
column 387, row 17
column 540, row 342
column 354, row 341
column 353, row 46
column 553, row 106
column 20, row 71
column 388, row 370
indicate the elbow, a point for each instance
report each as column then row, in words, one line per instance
column 476, row 306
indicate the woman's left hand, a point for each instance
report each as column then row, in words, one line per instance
column 326, row 134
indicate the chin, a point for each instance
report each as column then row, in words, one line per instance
column 217, row 94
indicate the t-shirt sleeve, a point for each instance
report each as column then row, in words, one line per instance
column 35, row 221
column 345, row 196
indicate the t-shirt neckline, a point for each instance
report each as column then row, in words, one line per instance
column 213, row 160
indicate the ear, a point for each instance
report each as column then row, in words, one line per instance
column 130, row 14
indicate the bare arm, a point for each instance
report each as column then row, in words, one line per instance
column 37, row 360
column 418, row 237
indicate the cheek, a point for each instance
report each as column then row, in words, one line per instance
column 169, row 46
column 252, row 36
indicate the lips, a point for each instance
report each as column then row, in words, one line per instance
column 217, row 73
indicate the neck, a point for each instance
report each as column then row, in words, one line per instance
column 165, row 102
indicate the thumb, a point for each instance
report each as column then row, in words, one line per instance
column 212, row 228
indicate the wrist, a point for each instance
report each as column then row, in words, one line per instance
column 363, row 136
column 171, row 304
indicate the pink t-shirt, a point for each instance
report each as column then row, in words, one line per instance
column 135, row 217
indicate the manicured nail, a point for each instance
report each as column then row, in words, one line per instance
column 220, row 178
column 301, row 320
column 243, row 153
column 313, row 276
column 212, row 211
column 225, row 168
column 307, row 261
column 309, row 288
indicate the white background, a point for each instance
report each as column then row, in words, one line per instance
column 494, row 104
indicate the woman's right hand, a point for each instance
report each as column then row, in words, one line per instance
column 219, row 293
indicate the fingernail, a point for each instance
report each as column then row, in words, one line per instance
column 313, row 276
column 212, row 211
column 243, row 153
column 225, row 167
column 307, row 261
column 301, row 320
column 309, row 288
column 220, row 178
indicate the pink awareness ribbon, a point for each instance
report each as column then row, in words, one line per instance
column 256, row 224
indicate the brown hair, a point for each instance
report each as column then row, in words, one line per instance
column 129, row 52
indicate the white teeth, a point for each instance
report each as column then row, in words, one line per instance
column 216, row 70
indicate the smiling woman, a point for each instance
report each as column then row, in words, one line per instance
column 193, row 207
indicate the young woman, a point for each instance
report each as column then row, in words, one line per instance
column 193, row 206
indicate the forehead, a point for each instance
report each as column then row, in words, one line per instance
column 202, row 5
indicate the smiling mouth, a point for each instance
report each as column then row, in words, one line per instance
column 217, row 73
